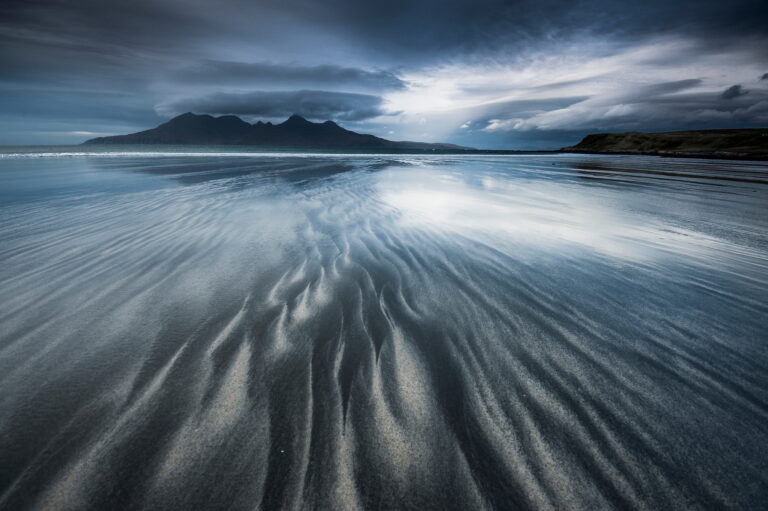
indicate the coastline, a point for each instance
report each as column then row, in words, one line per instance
column 675, row 154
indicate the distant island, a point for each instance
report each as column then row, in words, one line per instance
column 296, row 132
column 732, row 143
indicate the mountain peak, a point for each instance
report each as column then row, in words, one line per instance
column 296, row 119
column 189, row 115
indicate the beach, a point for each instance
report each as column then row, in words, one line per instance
column 201, row 329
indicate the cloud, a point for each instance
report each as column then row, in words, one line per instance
column 669, row 105
column 313, row 104
column 733, row 91
column 512, row 115
column 386, row 30
column 393, row 28
column 504, row 124
column 38, row 105
column 662, row 89
column 181, row 54
column 260, row 74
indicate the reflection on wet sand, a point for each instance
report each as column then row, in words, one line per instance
column 388, row 332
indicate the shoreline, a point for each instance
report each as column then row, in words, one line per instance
column 674, row 154
column 71, row 150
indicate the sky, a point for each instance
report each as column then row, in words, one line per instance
column 514, row 74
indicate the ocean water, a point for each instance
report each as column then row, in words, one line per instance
column 222, row 330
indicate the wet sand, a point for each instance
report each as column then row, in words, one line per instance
column 383, row 332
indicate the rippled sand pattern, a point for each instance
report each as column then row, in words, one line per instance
column 383, row 332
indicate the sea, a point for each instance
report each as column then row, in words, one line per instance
column 200, row 328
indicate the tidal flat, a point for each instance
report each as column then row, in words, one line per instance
column 203, row 330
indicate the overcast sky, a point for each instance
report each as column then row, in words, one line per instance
column 485, row 73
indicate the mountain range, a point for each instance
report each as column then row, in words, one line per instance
column 296, row 132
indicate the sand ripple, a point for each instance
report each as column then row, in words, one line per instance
column 379, row 332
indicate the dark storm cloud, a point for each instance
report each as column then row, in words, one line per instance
column 158, row 52
column 733, row 91
column 287, row 75
column 403, row 30
column 764, row 77
column 660, row 89
column 693, row 107
column 139, row 24
column 313, row 104
column 419, row 30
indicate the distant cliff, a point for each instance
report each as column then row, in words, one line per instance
column 736, row 143
column 296, row 132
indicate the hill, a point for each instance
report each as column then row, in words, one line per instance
column 731, row 143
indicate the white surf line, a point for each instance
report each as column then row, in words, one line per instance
column 146, row 154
